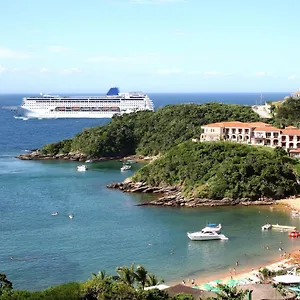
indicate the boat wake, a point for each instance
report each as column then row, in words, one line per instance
column 21, row 118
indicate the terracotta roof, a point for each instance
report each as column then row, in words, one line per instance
column 259, row 124
column 290, row 127
column 263, row 291
column 267, row 128
column 291, row 131
column 238, row 124
column 295, row 150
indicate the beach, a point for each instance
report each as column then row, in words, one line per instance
column 240, row 273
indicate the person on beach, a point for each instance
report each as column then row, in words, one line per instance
column 183, row 282
column 193, row 281
column 237, row 263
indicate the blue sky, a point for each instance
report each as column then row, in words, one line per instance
column 150, row 45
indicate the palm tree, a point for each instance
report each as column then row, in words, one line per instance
column 152, row 280
column 141, row 275
column 230, row 293
column 127, row 275
column 101, row 275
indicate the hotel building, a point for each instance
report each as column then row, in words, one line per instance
column 255, row 133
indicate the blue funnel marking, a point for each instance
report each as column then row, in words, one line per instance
column 113, row 91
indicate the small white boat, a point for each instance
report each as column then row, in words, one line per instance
column 206, row 236
column 125, row 168
column 266, row 227
column 71, row 216
column 89, row 161
column 54, row 214
column 212, row 227
column 82, row 168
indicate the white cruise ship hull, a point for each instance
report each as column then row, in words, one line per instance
column 43, row 114
column 106, row 106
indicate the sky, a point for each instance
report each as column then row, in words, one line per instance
column 149, row 45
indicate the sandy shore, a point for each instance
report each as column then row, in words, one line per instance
column 239, row 272
column 294, row 204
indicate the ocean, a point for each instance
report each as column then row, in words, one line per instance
column 108, row 230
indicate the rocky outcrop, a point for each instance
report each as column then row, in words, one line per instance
column 72, row 156
column 172, row 196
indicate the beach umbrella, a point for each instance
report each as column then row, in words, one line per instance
column 218, row 281
column 231, row 282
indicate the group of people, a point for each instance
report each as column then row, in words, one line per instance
column 192, row 282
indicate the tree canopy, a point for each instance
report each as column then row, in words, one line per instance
column 150, row 133
column 216, row 170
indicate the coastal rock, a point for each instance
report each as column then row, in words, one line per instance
column 171, row 196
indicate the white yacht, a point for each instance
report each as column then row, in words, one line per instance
column 71, row 216
column 106, row 106
column 82, row 168
column 213, row 227
column 267, row 226
column 205, row 235
column 125, row 168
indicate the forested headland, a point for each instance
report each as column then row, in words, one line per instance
column 149, row 133
column 217, row 170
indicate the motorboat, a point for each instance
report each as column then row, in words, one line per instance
column 267, row 226
column 89, row 161
column 213, row 227
column 294, row 234
column 71, row 216
column 82, row 168
column 54, row 214
column 125, row 168
column 205, row 235
column 295, row 213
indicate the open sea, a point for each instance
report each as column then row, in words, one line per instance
column 108, row 229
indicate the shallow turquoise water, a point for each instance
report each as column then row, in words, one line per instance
column 109, row 230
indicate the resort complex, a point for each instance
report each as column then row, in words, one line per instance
column 254, row 133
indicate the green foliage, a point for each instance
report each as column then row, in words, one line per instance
column 5, row 285
column 150, row 133
column 230, row 293
column 182, row 297
column 288, row 113
column 216, row 170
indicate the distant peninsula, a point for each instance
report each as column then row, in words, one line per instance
column 143, row 133
column 196, row 174
column 186, row 173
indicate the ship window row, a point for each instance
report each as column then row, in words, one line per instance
column 76, row 100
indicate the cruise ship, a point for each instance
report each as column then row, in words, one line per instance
column 114, row 102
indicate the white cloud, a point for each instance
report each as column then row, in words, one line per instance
column 59, row 49
column 2, row 69
column 261, row 74
column 71, row 71
column 292, row 77
column 168, row 71
column 6, row 53
column 44, row 70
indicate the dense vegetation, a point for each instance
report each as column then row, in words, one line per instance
column 216, row 170
column 287, row 113
column 127, row 285
column 150, row 133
